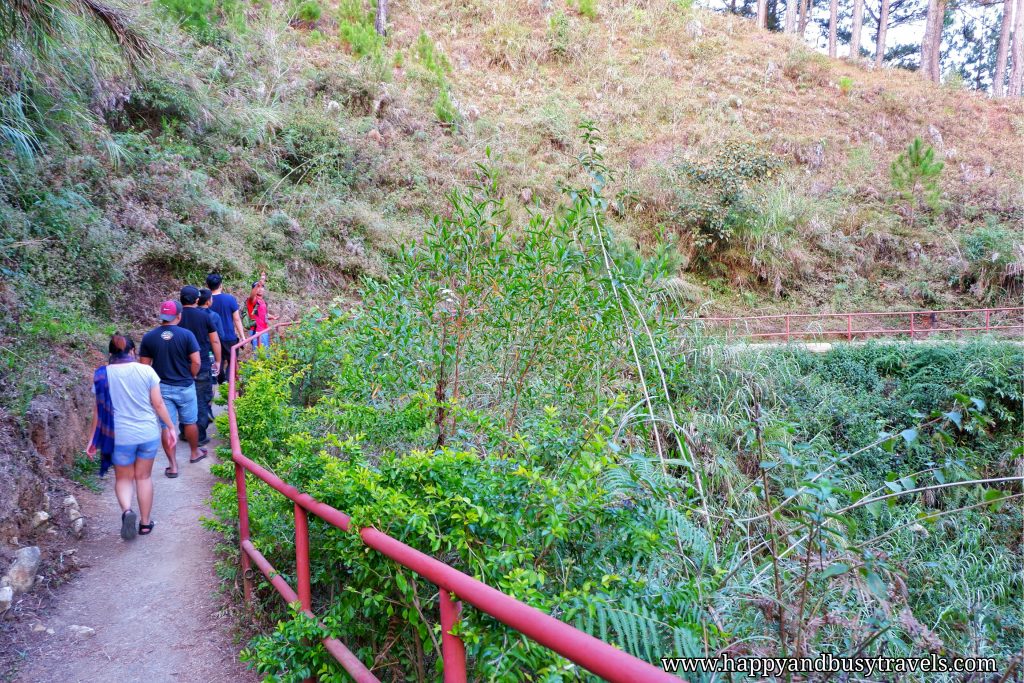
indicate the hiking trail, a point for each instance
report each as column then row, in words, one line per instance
column 152, row 601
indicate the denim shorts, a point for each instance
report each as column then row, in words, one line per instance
column 124, row 456
column 262, row 340
column 182, row 406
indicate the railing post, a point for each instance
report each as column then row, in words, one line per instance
column 302, row 557
column 787, row 328
column 453, row 651
column 849, row 327
column 243, row 532
column 988, row 312
column 911, row 326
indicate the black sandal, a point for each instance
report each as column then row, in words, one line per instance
column 146, row 529
column 128, row 525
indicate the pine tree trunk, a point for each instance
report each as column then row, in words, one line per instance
column 926, row 42
column 833, row 20
column 883, row 27
column 805, row 13
column 1003, row 51
column 762, row 13
column 1017, row 77
column 380, row 22
column 791, row 12
column 932, row 43
column 936, row 52
column 858, row 23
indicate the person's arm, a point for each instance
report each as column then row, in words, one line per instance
column 157, row 402
column 196, row 362
column 90, row 448
column 239, row 330
column 215, row 343
column 143, row 358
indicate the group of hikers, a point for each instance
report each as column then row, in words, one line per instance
column 162, row 391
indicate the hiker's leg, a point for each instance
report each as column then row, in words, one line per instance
column 144, row 478
column 189, row 415
column 124, row 475
column 204, row 394
column 171, row 400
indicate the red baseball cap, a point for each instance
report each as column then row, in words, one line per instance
column 169, row 310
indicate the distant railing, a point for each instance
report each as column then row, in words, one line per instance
column 592, row 654
column 914, row 325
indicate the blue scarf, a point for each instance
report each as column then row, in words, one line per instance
column 103, row 437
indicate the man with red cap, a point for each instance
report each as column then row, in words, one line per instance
column 173, row 352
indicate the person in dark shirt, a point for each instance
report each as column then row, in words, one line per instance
column 197, row 321
column 173, row 352
column 226, row 306
column 205, row 301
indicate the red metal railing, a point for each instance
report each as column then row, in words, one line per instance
column 454, row 587
column 866, row 325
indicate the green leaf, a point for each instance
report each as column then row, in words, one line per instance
column 834, row 570
column 877, row 586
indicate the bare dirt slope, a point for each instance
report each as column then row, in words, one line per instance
column 152, row 601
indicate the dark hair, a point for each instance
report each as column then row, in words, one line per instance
column 213, row 280
column 204, row 296
column 120, row 345
column 189, row 295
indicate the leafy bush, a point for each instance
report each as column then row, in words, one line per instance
column 313, row 149
column 717, row 199
column 448, row 400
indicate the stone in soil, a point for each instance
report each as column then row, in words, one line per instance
column 22, row 573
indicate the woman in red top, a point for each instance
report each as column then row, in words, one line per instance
column 256, row 307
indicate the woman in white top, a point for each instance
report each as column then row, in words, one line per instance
column 139, row 415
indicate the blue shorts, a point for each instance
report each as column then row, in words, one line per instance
column 262, row 340
column 124, row 456
column 182, row 406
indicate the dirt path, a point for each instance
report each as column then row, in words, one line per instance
column 152, row 602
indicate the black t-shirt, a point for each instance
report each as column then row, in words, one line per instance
column 170, row 347
column 197, row 321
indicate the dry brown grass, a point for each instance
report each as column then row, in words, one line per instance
column 666, row 84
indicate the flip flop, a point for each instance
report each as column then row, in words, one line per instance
column 169, row 474
column 146, row 529
column 204, row 454
column 128, row 519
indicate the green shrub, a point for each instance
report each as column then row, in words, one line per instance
column 449, row 421
column 560, row 36
column 312, row 149
column 308, row 11
column 432, row 61
column 716, row 199
column 587, row 8
column 445, row 109
column 993, row 261
column 355, row 26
